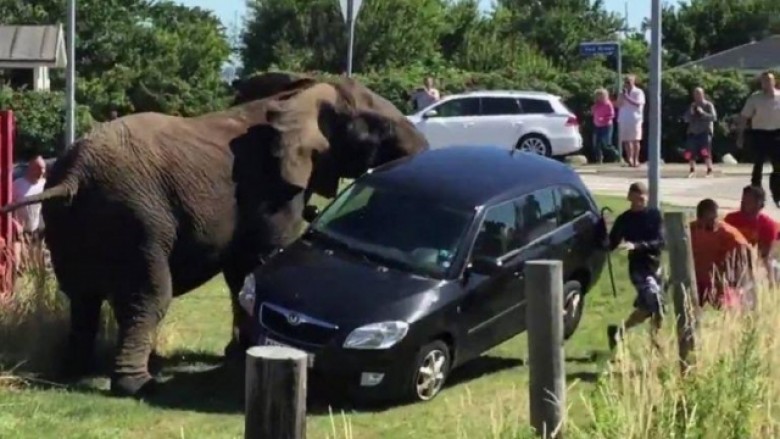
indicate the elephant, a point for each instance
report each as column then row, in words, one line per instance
column 148, row 206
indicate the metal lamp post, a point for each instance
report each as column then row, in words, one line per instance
column 70, row 82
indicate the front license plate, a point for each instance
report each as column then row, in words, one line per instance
column 272, row 342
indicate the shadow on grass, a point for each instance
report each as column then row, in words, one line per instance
column 203, row 382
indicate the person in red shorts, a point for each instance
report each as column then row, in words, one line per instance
column 719, row 256
column 758, row 228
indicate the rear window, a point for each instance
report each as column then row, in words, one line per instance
column 499, row 106
column 536, row 106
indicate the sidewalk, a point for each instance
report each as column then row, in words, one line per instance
column 671, row 170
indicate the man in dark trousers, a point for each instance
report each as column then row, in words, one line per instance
column 762, row 110
column 639, row 231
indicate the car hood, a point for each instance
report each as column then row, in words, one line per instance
column 341, row 288
column 414, row 119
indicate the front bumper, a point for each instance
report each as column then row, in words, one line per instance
column 362, row 374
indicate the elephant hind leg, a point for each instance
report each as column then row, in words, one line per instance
column 84, row 325
column 139, row 314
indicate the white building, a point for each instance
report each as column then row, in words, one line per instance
column 35, row 49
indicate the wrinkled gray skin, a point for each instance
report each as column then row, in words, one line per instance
column 148, row 207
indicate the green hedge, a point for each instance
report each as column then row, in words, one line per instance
column 728, row 90
column 40, row 121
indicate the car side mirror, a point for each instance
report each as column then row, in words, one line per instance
column 485, row 266
column 430, row 113
column 310, row 213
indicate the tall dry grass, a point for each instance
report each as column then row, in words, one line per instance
column 35, row 318
column 730, row 392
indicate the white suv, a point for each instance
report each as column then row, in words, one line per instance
column 531, row 121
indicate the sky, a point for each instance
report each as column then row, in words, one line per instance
column 228, row 10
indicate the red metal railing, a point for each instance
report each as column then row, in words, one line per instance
column 7, row 271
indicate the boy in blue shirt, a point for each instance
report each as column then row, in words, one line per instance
column 639, row 231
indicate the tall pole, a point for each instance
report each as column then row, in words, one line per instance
column 70, row 84
column 654, row 136
column 351, row 27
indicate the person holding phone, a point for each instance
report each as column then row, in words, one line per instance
column 700, row 117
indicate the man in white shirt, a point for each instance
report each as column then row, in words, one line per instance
column 762, row 109
column 630, row 117
column 425, row 96
column 29, row 217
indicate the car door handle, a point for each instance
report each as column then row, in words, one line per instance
column 517, row 124
column 468, row 124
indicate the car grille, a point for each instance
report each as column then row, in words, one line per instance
column 295, row 326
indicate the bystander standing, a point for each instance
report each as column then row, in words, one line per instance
column 426, row 95
column 700, row 118
column 762, row 110
column 631, row 110
column 603, row 117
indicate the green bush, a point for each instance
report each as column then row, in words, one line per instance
column 40, row 120
column 728, row 90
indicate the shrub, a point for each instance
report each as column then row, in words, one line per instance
column 40, row 120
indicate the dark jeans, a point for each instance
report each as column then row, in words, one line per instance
column 766, row 146
column 602, row 143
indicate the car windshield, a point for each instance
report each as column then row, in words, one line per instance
column 395, row 227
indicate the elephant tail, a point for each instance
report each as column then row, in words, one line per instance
column 59, row 191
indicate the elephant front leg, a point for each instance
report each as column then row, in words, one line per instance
column 240, row 338
column 139, row 315
column 84, row 324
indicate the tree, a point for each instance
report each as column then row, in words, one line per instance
column 306, row 35
column 557, row 27
column 138, row 55
column 703, row 27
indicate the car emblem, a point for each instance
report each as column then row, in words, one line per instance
column 293, row 319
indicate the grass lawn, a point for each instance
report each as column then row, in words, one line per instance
column 204, row 400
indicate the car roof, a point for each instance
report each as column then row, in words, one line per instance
column 473, row 176
column 509, row 93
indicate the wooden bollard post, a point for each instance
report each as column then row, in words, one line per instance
column 682, row 277
column 275, row 393
column 544, row 317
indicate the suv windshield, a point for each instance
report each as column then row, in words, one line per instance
column 395, row 227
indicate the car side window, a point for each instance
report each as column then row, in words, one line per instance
column 536, row 106
column 499, row 106
column 497, row 235
column 458, row 108
column 538, row 215
column 573, row 204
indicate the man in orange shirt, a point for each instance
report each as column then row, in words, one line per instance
column 757, row 227
column 719, row 252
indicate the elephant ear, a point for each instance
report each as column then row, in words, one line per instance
column 300, row 138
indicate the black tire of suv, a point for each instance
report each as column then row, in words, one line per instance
column 547, row 147
column 571, row 289
column 410, row 391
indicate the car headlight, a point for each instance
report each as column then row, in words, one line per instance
column 377, row 335
column 246, row 298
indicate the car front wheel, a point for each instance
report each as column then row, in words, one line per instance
column 430, row 370
column 573, row 304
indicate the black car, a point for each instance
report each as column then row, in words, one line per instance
column 417, row 267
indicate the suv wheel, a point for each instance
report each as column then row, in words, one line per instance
column 573, row 304
column 536, row 144
column 430, row 370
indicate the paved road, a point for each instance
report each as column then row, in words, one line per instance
column 726, row 190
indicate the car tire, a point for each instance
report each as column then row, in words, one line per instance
column 535, row 144
column 422, row 386
column 573, row 306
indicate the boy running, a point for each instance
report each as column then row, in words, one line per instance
column 639, row 231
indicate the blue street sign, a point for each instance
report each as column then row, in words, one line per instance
column 594, row 49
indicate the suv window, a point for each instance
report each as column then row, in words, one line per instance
column 458, row 107
column 498, row 234
column 538, row 214
column 499, row 106
column 573, row 204
column 536, row 106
